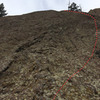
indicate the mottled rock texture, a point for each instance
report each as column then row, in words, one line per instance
column 39, row 51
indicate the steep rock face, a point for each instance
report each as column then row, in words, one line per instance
column 40, row 51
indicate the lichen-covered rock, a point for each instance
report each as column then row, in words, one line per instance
column 41, row 50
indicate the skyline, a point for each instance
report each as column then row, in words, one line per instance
column 24, row 7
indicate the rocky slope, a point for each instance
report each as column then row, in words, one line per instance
column 41, row 50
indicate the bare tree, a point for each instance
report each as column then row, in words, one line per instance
column 74, row 7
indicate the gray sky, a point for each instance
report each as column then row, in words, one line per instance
column 18, row 7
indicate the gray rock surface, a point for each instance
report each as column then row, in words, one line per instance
column 41, row 50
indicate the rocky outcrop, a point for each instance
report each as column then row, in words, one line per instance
column 95, row 12
column 41, row 50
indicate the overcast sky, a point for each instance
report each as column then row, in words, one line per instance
column 18, row 7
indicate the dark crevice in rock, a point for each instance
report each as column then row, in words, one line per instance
column 29, row 44
column 98, row 53
column 69, row 80
column 8, row 85
column 74, row 45
column 24, row 46
column 6, row 68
